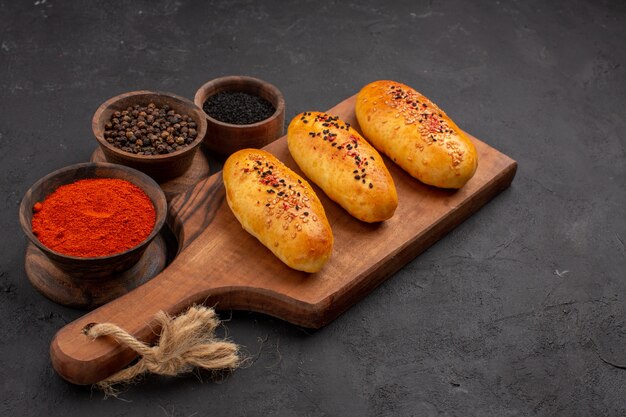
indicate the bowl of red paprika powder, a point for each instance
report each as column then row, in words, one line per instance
column 154, row 132
column 93, row 219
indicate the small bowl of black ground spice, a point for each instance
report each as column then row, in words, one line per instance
column 241, row 112
column 156, row 133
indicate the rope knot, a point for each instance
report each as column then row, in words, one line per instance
column 186, row 342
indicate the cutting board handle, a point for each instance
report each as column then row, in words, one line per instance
column 81, row 360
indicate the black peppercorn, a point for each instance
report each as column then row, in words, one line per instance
column 150, row 130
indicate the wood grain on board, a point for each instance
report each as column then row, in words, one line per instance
column 220, row 264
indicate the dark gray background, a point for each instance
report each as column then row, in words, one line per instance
column 513, row 313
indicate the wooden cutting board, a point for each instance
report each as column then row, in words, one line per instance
column 220, row 264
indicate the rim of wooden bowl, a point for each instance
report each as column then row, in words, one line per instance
column 98, row 121
column 130, row 173
column 201, row 96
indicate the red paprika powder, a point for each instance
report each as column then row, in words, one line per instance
column 94, row 217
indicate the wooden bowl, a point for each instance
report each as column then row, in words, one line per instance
column 94, row 267
column 160, row 167
column 226, row 138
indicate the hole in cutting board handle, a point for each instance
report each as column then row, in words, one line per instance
column 87, row 327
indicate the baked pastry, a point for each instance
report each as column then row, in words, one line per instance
column 416, row 134
column 336, row 157
column 279, row 208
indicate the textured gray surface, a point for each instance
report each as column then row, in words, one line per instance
column 511, row 314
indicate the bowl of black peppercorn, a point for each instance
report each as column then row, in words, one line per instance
column 154, row 132
column 241, row 112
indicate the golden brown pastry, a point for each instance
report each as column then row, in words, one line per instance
column 279, row 208
column 336, row 157
column 416, row 134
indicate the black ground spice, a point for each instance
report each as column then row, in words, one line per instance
column 238, row 108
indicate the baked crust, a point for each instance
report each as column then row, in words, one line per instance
column 416, row 134
column 279, row 208
column 350, row 171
